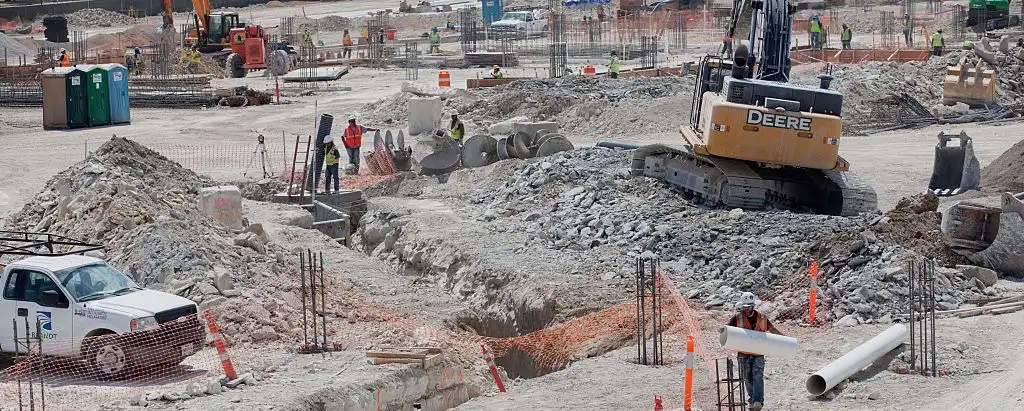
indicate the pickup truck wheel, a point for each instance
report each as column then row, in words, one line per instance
column 109, row 357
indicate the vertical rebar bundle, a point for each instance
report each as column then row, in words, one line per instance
column 412, row 61
column 375, row 26
column 887, row 29
column 311, row 275
column 735, row 386
column 648, row 52
column 79, row 47
column 288, row 30
column 648, row 303
column 32, row 353
column 958, row 20
column 469, row 19
column 922, row 316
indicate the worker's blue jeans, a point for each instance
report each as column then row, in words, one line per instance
column 752, row 372
column 353, row 156
column 815, row 40
column 332, row 175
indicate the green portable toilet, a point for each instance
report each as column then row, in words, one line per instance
column 65, row 104
column 98, row 94
column 117, row 78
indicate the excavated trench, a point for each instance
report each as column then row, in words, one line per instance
column 499, row 306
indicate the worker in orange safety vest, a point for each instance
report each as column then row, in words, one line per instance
column 751, row 364
column 352, row 140
column 346, row 40
column 64, row 60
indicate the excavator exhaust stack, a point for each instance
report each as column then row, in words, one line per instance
column 989, row 231
column 956, row 168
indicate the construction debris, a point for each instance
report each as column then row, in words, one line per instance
column 87, row 18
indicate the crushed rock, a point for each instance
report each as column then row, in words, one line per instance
column 584, row 204
column 98, row 18
column 581, row 105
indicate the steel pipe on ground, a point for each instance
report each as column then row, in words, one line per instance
column 741, row 339
column 839, row 370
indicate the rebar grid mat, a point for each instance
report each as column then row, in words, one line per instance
column 889, row 113
column 921, row 280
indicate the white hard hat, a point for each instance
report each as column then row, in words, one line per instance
column 328, row 139
column 455, row 113
column 351, row 116
column 746, row 300
column 63, row 50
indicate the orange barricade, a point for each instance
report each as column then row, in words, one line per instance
column 222, row 351
column 444, row 79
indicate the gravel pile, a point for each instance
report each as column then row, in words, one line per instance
column 584, row 202
column 98, row 18
column 143, row 208
column 581, row 105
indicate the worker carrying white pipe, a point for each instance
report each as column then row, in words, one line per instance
column 752, row 365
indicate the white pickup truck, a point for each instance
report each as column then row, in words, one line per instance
column 521, row 24
column 84, row 308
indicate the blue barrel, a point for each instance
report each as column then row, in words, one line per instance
column 492, row 10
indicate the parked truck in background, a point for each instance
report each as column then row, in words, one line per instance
column 521, row 24
column 75, row 306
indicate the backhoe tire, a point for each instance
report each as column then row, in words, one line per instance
column 234, row 65
column 278, row 62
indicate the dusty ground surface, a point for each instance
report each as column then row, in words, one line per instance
column 477, row 280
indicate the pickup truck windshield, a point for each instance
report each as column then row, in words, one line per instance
column 95, row 282
column 520, row 16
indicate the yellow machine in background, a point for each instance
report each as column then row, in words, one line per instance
column 966, row 84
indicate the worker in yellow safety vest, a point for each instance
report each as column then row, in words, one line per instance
column 435, row 41
column 496, row 72
column 938, row 43
column 968, row 45
column 458, row 129
column 331, row 157
column 346, row 41
column 846, row 37
column 190, row 60
column 815, row 27
column 752, row 364
column 613, row 66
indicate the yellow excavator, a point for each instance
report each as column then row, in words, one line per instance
column 754, row 141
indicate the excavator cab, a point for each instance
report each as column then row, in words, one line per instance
column 219, row 27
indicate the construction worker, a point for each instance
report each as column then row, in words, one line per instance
column 752, row 365
column 331, row 157
column 496, row 72
column 307, row 37
column 64, row 60
column 352, row 140
column 457, row 129
column 190, row 60
column 908, row 30
column 600, row 13
column 727, row 47
column 968, row 45
column 613, row 65
column 815, row 27
column 938, row 43
column 846, row 37
column 137, row 60
column 435, row 40
column 346, row 41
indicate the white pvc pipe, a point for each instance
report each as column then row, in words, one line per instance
column 839, row 370
column 741, row 339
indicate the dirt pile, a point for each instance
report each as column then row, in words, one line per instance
column 915, row 224
column 1006, row 173
column 581, row 105
column 98, row 18
column 143, row 208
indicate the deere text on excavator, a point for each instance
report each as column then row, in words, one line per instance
column 753, row 140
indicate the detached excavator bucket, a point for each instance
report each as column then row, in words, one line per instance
column 966, row 84
column 989, row 231
column 956, row 168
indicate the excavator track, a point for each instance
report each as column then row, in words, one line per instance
column 718, row 181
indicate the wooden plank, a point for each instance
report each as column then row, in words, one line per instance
column 397, row 354
column 433, row 361
column 380, row 361
column 1008, row 300
column 428, row 349
column 1006, row 310
column 970, row 312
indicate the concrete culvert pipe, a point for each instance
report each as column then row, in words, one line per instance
column 839, row 370
column 772, row 345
